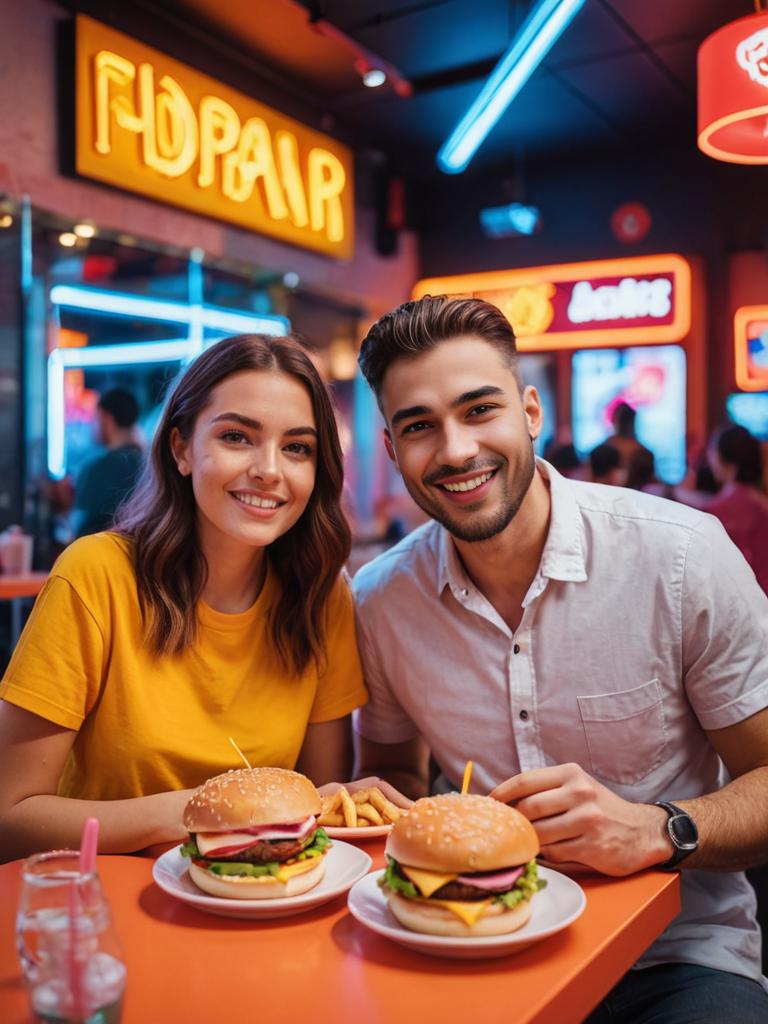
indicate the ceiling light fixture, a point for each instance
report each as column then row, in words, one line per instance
column 373, row 78
column 538, row 34
column 67, row 239
column 733, row 91
column 84, row 230
column 508, row 221
column 365, row 60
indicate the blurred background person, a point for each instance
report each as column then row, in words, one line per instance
column 565, row 459
column 741, row 505
column 624, row 438
column 605, row 466
column 106, row 480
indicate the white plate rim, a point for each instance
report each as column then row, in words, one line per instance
column 399, row 933
column 161, row 869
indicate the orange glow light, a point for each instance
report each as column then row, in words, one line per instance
column 749, row 377
column 152, row 125
column 559, row 306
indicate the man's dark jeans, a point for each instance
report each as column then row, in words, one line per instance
column 682, row 994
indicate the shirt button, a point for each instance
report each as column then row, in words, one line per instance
column 464, row 592
column 524, row 715
column 516, row 649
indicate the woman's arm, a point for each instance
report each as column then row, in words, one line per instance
column 33, row 753
column 326, row 754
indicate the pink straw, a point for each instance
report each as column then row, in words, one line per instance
column 89, row 842
column 75, row 971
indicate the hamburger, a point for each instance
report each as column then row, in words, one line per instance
column 461, row 865
column 254, row 835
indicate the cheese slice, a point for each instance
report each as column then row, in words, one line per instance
column 467, row 912
column 427, row 882
column 289, row 870
column 207, row 841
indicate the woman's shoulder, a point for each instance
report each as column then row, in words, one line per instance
column 96, row 556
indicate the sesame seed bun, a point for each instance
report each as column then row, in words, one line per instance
column 462, row 834
column 432, row 919
column 247, row 797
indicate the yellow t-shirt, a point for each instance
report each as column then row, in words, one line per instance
column 147, row 724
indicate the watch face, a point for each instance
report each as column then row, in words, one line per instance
column 683, row 832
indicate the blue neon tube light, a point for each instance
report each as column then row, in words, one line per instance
column 538, row 34
column 193, row 315
column 89, row 356
column 119, row 304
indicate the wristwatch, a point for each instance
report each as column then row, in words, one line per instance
column 682, row 831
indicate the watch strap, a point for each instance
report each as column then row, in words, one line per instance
column 680, row 852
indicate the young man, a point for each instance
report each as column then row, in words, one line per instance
column 105, row 481
column 600, row 654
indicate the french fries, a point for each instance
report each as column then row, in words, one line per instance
column 362, row 809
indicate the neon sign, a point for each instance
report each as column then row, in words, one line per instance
column 150, row 124
column 750, row 338
column 603, row 303
column 628, row 300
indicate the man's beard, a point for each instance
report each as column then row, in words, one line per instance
column 477, row 527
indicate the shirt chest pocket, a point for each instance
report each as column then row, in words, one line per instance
column 625, row 732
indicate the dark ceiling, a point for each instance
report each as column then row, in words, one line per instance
column 622, row 76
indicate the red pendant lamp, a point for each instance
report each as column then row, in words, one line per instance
column 733, row 91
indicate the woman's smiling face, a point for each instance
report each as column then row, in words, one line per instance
column 252, row 458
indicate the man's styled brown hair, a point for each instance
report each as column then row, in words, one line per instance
column 160, row 518
column 420, row 325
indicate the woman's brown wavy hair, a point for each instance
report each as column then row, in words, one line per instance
column 160, row 518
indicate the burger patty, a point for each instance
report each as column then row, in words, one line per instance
column 462, row 892
column 265, row 851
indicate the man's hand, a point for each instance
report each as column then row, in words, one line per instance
column 397, row 798
column 579, row 821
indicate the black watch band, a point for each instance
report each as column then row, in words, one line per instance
column 682, row 831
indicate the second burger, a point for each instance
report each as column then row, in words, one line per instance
column 461, row 865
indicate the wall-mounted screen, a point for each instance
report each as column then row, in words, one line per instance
column 750, row 410
column 652, row 380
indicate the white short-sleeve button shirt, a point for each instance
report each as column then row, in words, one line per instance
column 643, row 627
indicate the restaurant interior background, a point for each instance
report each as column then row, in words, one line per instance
column 601, row 144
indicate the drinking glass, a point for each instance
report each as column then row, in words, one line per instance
column 70, row 955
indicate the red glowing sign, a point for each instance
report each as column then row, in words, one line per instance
column 642, row 300
column 733, row 91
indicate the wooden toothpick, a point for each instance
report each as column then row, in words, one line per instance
column 242, row 755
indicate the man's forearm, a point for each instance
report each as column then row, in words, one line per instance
column 732, row 824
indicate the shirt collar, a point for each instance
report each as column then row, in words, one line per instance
column 563, row 557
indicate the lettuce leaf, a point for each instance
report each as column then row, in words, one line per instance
column 392, row 879
column 527, row 884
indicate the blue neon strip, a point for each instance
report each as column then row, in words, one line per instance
column 119, row 304
column 95, row 300
column 545, row 24
column 62, row 359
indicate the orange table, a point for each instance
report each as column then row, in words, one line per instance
column 15, row 587
column 184, row 965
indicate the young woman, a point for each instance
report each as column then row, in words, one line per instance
column 215, row 609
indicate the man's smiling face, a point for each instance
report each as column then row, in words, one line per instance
column 461, row 435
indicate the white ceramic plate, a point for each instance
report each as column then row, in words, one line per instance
column 366, row 832
column 344, row 865
column 554, row 908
